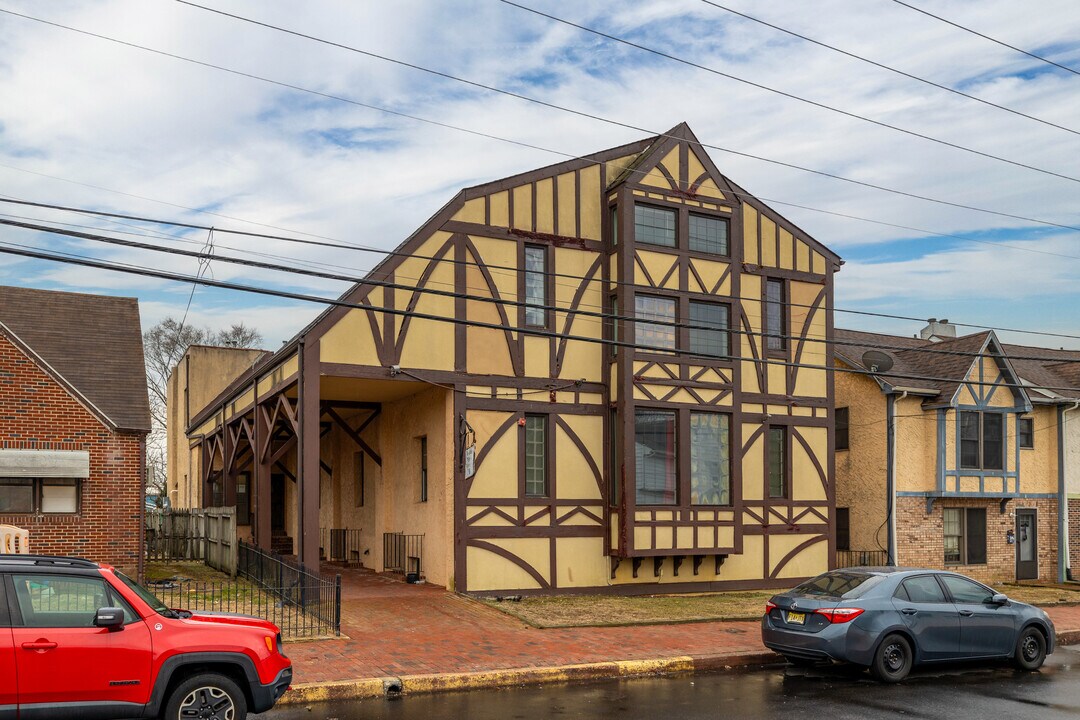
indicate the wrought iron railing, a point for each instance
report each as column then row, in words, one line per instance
column 341, row 545
column 317, row 598
column 404, row 554
column 861, row 558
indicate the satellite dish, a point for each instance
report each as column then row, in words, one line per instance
column 877, row 361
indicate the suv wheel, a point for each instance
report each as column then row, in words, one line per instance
column 1030, row 649
column 210, row 696
column 892, row 661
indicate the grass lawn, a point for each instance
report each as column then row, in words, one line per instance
column 193, row 570
column 605, row 610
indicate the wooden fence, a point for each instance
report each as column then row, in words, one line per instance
column 203, row 534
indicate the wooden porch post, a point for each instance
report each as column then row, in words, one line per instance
column 308, row 411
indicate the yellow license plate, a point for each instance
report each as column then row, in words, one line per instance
column 796, row 618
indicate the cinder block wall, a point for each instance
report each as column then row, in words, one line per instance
column 36, row 412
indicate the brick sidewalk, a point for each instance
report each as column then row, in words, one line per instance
column 396, row 629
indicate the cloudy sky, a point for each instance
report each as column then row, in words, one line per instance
column 93, row 123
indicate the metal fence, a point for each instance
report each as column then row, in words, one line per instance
column 202, row 534
column 315, row 600
column 341, row 545
column 858, row 558
column 403, row 553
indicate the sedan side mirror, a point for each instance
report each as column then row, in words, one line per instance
column 109, row 617
column 999, row 599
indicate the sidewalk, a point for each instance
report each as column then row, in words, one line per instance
column 422, row 639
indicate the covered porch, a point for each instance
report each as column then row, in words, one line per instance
column 327, row 466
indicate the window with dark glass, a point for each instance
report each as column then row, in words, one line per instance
column 661, row 332
column 655, row 455
column 922, row 589
column 843, row 528
column 615, row 326
column 423, row 469
column 706, row 341
column 535, row 286
column 1026, row 433
column 358, row 479
column 710, row 459
column 708, row 234
column 774, row 315
column 967, row 591
column 841, row 428
column 777, row 462
column 653, row 225
column 982, row 440
column 614, row 215
column 965, row 535
column 16, row 495
column 536, row 484
column 243, row 498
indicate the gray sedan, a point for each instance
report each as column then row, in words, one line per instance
column 890, row 619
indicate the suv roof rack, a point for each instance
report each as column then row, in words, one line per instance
column 48, row 560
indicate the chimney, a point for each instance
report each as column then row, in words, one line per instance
column 938, row 330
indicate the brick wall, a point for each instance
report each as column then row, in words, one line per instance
column 36, row 412
column 921, row 539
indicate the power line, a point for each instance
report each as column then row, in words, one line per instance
column 791, row 96
column 779, row 163
column 891, row 69
column 206, row 255
column 70, row 258
column 987, row 37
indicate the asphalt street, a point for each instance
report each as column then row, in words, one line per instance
column 955, row 692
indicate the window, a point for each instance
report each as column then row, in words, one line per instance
column 982, row 440
column 843, row 528
column 44, row 495
column 1026, row 433
column 777, row 462
column 616, row 470
column 615, row 325
column 535, row 286
column 965, row 536
column 358, row 479
column 966, row 591
column 774, row 315
column 703, row 341
column 655, row 452
column 922, row 589
column 653, row 334
column 614, row 215
column 653, row 225
column 423, row 469
column 708, row 234
column 243, row 498
column 841, row 428
column 710, row 459
column 536, row 484
column 59, row 601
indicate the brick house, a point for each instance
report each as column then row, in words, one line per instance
column 956, row 452
column 74, row 415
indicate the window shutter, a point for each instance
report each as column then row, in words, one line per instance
column 976, row 536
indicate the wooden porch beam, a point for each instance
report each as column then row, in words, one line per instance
column 355, row 435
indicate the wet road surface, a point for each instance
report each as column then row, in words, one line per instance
column 953, row 692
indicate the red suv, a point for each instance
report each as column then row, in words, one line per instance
column 81, row 640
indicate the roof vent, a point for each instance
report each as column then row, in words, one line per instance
column 938, row 330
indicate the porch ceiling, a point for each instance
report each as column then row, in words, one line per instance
column 365, row 390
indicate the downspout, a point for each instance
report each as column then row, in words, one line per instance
column 890, row 479
column 1064, row 561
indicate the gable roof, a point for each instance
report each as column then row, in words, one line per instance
column 93, row 343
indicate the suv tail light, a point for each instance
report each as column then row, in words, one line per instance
column 840, row 615
column 769, row 606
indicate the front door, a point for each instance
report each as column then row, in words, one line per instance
column 1027, row 545
column 277, row 505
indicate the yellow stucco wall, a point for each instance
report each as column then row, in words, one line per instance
column 861, row 471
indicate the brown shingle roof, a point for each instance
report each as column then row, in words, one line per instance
column 94, row 342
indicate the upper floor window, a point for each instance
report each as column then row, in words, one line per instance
column 614, row 217
column 653, row 225
column 710, row 459
column 660, row 334
column 536, row 484
column 706, row 341
column 774, row 315
column 777, row 461
column 982, row 440
column 655, row 454
column 842, row 428
column 535, row 286
column 1026, row 433
column 708, row 234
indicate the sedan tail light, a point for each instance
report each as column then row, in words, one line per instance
column 840, row 615
column 769, row 606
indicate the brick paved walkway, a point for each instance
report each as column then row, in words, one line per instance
column 397, row 629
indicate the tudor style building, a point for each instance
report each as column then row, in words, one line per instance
column 480, row 389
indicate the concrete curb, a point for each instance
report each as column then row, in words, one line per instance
column 420, row 684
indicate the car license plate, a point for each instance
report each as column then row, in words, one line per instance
column 796, row 618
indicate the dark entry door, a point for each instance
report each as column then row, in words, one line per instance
column 277, row 505
column 1027, row 545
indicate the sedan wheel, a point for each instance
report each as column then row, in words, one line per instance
column 1030, row 649
column 892, row 661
